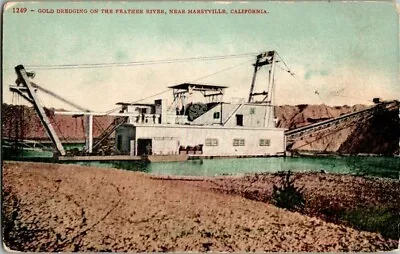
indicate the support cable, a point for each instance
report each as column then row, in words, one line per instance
column 203, row 77
column 53, row 121
column 97, row 123
column 138, row 63
column 220, row 71
column 294, row 75
column 115, row 109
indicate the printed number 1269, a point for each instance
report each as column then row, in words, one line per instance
column 19, row 10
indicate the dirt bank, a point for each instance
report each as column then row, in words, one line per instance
column 50, row 207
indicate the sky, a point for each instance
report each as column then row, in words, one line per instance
column 341, row 52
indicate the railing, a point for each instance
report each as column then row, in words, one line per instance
column 145, row 118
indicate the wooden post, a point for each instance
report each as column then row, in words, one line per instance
column 269, row 111
column 253, row 81
column 89, row 133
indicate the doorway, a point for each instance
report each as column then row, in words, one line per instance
column 144, row 147
column 239, row 120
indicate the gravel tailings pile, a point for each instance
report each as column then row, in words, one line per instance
column 50, row 207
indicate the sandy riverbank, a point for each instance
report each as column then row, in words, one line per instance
column 51, row 207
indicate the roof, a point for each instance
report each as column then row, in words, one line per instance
column 134, row 104
column 185, row 86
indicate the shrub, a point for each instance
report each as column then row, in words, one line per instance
column 287, row 195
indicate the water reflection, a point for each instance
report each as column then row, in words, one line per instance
column 388, row 167
column 128, row 165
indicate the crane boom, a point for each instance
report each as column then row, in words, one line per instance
column 59, row 97
column 24, row 86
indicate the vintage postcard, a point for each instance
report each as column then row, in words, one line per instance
column 182, row 126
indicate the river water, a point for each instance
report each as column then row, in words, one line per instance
column 387, row 167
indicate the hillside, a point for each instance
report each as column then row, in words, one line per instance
column 68, row 128
column 377, row 135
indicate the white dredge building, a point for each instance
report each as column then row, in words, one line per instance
column 211, row 128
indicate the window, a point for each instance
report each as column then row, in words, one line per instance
column 238, row 142
column 216, row 115
column 211, row 142
column 239, row 120
column 265, row 142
